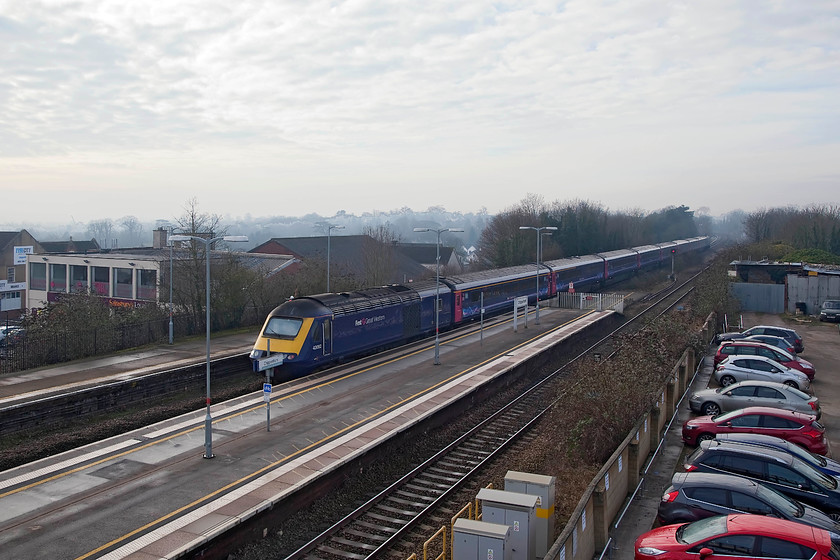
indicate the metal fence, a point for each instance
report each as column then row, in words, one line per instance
column 598, row 302
column 42, row 349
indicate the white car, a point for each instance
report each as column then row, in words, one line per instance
column 742, row 368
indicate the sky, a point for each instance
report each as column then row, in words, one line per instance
column 111, row 108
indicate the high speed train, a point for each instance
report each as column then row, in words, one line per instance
column 311, row 332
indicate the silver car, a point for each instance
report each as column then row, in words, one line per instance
column 753, row 393
column 743, row 368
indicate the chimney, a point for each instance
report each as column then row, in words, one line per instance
column 160, row 237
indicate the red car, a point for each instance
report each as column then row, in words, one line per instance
column 738, row 537
column 755, row 348
column 795, row 427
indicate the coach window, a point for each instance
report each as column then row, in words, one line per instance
column 78, row 279
column 58, row 277
column 147, row 285
column 123, row 283
column 37, row 276
column 101, row 281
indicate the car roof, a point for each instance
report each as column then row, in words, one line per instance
column 755, row 439
column 718, row 480
column 731, row 359
column 776, row 412
column 759, row 383
column 788, row 329
column 769, row 453
column 782, row 528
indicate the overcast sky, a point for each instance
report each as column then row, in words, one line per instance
column 113, row 108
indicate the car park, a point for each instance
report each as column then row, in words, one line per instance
column 696, row 495
column 796, row 427
column 822, row 463
column 776, row 341
column 743, row 368
column 735, row 537
column 783, row 332
column 830, row 310
column 753, row 393
column 773, row 467
column 744, row 347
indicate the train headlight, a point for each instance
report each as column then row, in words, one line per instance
column 257, row 354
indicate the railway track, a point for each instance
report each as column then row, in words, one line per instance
column 385, row 522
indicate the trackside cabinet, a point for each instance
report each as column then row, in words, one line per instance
column 479, row 540
column 542, row 487
column 517, row 511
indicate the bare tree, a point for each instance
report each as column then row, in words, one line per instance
column 102, row 231
column 379, row 255
column 131, row 230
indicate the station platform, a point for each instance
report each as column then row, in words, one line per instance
column 152, row 494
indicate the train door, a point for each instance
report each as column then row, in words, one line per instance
column 328, row 340
column 322, row 338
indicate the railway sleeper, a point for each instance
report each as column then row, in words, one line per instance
column 449, row 472
column 362, row 534
column 453, row 465
column 386, row 519
column 341, row 553
column 414, row 496
column 449, row 479
column 410, row 513
column 419, row 505
column 427, row 486
column 354, row 544
column 376, row 526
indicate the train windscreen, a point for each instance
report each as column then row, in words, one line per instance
column 282, row 327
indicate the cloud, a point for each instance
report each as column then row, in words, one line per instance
column 658, row 98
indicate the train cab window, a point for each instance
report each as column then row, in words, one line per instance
column 283, row 327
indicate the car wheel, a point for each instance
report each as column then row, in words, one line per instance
column 704, row 437
column 727, row 380
column 790, row 383
column 834, row 515
column 710, row 409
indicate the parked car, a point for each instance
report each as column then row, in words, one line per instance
column 820, row 462
column 12, row 332
column 743, row 368
column 736, row 537
column 776, row 341
column 775, row 468
column 783, row 332
column 830, row 310
column 801, row 429
column 745, row 347
column 753, row 393
column 696, row 495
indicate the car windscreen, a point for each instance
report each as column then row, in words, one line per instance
column 812, row 473
column 779, row 501
column 700, row 530
column 282, row 327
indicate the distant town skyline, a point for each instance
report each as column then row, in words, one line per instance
column 261, row 108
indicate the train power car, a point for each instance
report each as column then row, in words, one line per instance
column 315, row 331
column 312, row 332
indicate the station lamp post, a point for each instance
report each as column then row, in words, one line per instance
column 208, row 421
column 539, row 231
column 437, row 285
column 329, row 228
